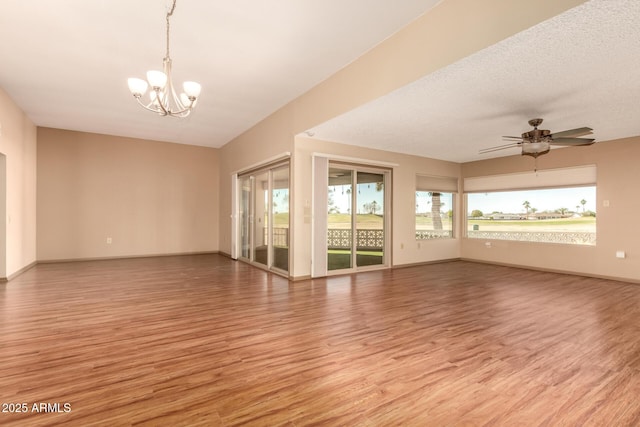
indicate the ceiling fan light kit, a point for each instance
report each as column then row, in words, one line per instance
column 537, row 142
column 163, row 99
column 535, row 149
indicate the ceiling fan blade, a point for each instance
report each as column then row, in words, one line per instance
column 572, row 141
column 572, row 133
column 512, row 137
column 499, row 147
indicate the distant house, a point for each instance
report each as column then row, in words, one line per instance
column 549, row 215
column 521, row 216
column 506, row 216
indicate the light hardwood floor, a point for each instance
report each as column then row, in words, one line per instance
column 203, row 340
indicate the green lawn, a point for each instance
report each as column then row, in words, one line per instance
column 369, row 221
column 281, row 219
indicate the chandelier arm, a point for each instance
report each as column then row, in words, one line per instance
column 163, row 112
column 146, row 107
column 169, row 89
column 181, row 113
column 184, row 112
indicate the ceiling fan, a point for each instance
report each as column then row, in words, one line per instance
column 539, row 141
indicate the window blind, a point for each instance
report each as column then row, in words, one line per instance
column 444, row 184
column 549, row 178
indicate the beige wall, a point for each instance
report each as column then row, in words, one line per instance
column 150, row 197
column 451, row 31
column 618, row 177
column 267, row 140
column 18, row 207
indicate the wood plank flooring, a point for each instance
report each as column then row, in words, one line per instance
column 203, row 340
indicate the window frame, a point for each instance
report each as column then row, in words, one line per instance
column 435, row 184
column 549, row 179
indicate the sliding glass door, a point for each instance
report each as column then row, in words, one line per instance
column 245, row 184
column 280, row 217
column 340, row 219
column 264, row 217
column 261, row 218
column 357, row 217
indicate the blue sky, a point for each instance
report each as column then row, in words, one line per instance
column 549, row 199
column 506, row 202
column 368, row 193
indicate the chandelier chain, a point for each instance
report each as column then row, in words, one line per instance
column 169, row 13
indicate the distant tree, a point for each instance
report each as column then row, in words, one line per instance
column 527, row 206
column 562, row 211
column 476, row 213
column 534, row 210
column 583, row 202
column 436, row 205
column 373, row 207
column 331, row 202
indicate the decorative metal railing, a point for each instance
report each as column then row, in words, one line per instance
column 365, row 239
column 374, row 239
column 336, row 238
column 280, row 237
column 433, row 234
column 570, row 237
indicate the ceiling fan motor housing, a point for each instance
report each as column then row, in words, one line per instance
column 536, row 135
column 536, row 141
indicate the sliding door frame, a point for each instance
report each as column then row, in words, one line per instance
column 236, row 220
column 319, row 228
column 357, row 168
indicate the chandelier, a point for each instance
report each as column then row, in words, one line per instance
column 163, row 99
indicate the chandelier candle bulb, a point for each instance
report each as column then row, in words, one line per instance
column 138, row 87
column 157, row 79
column 192, row 89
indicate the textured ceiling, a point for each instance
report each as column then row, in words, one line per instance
column 581, row 68
column 66, row 62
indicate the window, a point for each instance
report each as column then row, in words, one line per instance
column 434, row 217
column 543, row 214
